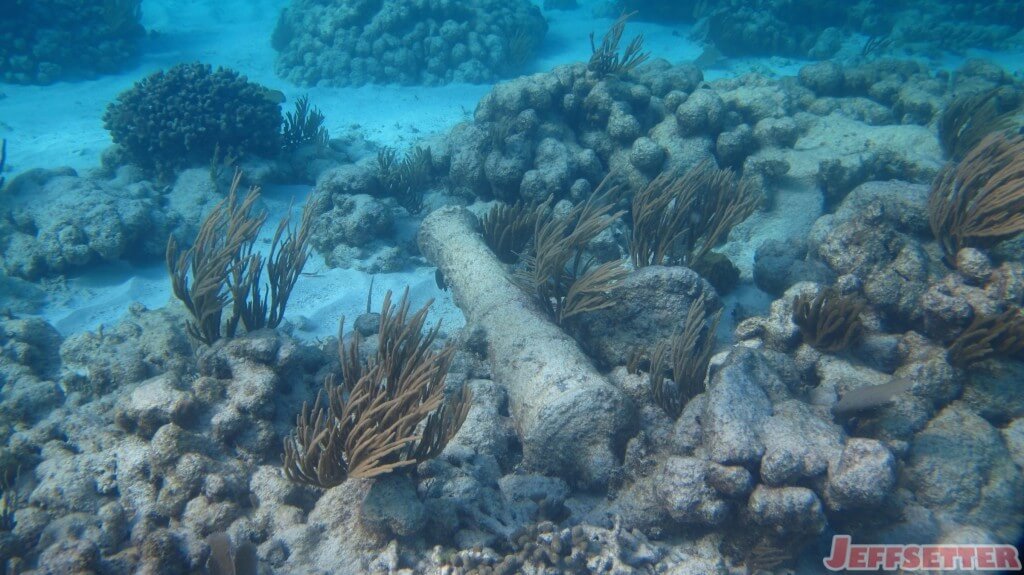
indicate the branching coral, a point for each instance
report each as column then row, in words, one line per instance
column 221, row 268
column 179, row 117
column 829, row 321
column 981, row 198
column 686, row 356
column 988, row 336
column 387, row 414
column 678, row 219
column 555, row 263
column 605, row 60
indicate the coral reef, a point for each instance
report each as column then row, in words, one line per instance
column 708, row 324
column 44, row 41
column 422, row 42
column 57, row 222
column 191, row 115
column 811, row 30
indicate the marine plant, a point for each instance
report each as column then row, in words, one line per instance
column 987, row 336
column 405, row 180
column 829, row 321
column 221, row 268
column 507, row 229
column 605, row 60
column 967, row 119
column 686, row 357
column 387, row 414
column 981, row 198
column 678, row 219
column 178, row 118
column 304, row 126
column 555, row 270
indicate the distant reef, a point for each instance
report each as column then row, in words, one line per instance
column 809, row 29
column 427, row 42
column 43, row 41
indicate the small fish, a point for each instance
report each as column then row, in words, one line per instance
column 711, row 57
column 870, row 397
column 274, row 96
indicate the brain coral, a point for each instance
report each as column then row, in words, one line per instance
column 184, row 116
column 42, row 41
column 354, row 42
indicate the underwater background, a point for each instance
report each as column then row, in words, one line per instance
column 507, row 286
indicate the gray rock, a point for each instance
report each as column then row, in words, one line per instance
column 646, row 155
column 730, row 481
column 960, row 468
column 737, row 409
column 824, row 78
column 142, row 345
column 701, row 114
column 862, row 477
column 70, row 556
column 974, row 265
column 683, row 489
column 66, row 222
column 392, row 508
column 828, row 43
column 354, row 220
column 32, row 343
column 791, row 512
column 799, row 445
column 776, row 132
column 488, row 428
column 469, row 144
column 204, row 516
column 1013, row 436
column 733, row 146
column 28, row 398
column 779, row 264
column 651, row 304
column 348, row 180
column 992, row 390
column 154, row 403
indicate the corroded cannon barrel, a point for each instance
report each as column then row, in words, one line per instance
column 572, row 421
